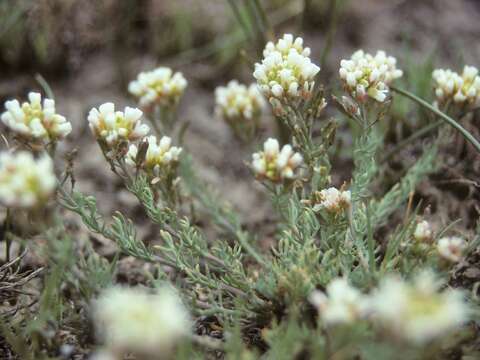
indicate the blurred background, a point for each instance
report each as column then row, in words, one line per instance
column 89, row 50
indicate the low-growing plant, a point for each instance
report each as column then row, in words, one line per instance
column 331, row 286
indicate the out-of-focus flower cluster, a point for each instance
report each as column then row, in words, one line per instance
column 160, row 155
column 112, row 127
column 365, row 75
column 35, row 120
column 414, row 311
column 341, row 304
column 275, row 164
column 332, row 200
column 286, row 71
column 132, row 320
column 423, row 232
column 24, row 181
column 463, row 89
column 451, row 248
column 237, row 103
column 417, row 311
column 158, row 87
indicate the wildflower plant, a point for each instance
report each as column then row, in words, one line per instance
column 35, row 121
column 366, row 76
column 275, row 164
column 458, row 90
column 240, row 106
column 111, row 127
column 26, row 182
column 334, row 278
column 158, row 93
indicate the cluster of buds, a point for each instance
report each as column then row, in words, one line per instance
column 159, row 156
column 286, row 73
column 133, row 320
column 274, row 164
column 25, row 182
column 365, row 75
column 35, row 120
column 451, row 248
column 417, row 312
column 239, row 105
column 160, row 87
column 112, row 127
column 342, row 303
column 423, row 232
column 332, row 200
column 461, row 89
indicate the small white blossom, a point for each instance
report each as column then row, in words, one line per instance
column 159, row 155
column 461, row 89
column 158, row 87
column 417, row 312
column 24, row 181
column 451, row 248
column 132, row 320
column 365, row 75
column 35, row 120
column 275, row 164
column 333, row 200
column 286, row 71
column 342, row 303
column 113, row 126
column 237, row 102
column 423, row 232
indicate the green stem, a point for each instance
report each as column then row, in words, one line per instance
column 442, row 116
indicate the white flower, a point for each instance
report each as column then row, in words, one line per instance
column 160, row 86
column 237, row 102
column 417, row 312
column 275, row 164
column 24, row 181
column 366, row 76
column 132, row 320
column 342, row 303
column 333, row 200
column 423, row 232
column 461, row 89
column 113, row 126
column 286, row 72
column 160, row 154
column 451, row 248
column 35, row 120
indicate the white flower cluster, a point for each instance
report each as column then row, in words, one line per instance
column 417, row 312
column 24, row 181
column 113, row 126
column 286, row 72
column 158, row 87
column 35, row 120
column 451, row 248
column 423, row 232
column 159, row 155
column 333, row 200
column 365, row 75
column 132, row 320
column 342, row 303
column 237, row 102
column 461, row 89
column 275, row 164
